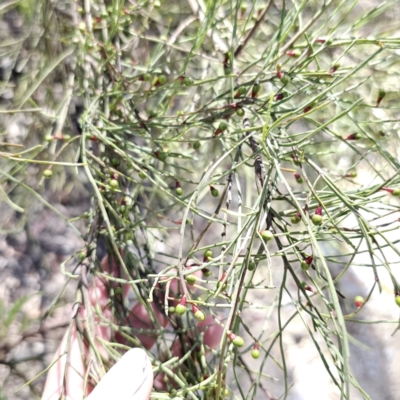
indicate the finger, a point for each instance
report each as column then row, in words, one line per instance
column 130, row 378
column 63, row 374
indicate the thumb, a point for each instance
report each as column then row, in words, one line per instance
column 131, row 378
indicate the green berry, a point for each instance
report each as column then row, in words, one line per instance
column 188, row 81
column 47, row 173
column 200, row 315
column 352, row 174
column 206, row 272
column 316, row 219
column 147, row 77
column 357, row 136
column 162, row 79
column 267, row 235
column 295, row 219
column 252, row 265
column 196, row 145
column 162, row 156
column 115, row 161
column 214, row 192
column 207, row 254
column 396, row 192
column 240, row 112
column 223, row 126
column 285, row 79
column 238, row 341
column 256, row 88
column 142, row 175
column 255, row 353
column 397, row 300
column 171, row 310
column 224, row 286
column 48, row 138
column 179, row 191
column 304, row 266
column 123, row 210
column 242, row 90
column 113, row 184
column 180, row 309
column 190, row 279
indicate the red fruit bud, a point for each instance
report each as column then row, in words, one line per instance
column 180, row 309
column 236, row 340
column 307, row 287
column 221, row 280
column 298, row 177
column 353, row 136
column 359, row 301
column 255, row 353
column 318, row 210
column 334, row 68
column 351, row 174
column 293, row 53
column 381, row 95
column 279, row 96
column 198, row 314
column 394, row 192
column 279, row 74
column 255, row 90
column 214, row 191
column 308, row 260
column 222, row 127
column 307, row 109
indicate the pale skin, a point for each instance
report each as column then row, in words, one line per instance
column 132, row 376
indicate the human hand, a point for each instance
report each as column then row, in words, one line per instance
column 131, row 377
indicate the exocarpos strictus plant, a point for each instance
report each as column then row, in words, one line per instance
column 240, row 158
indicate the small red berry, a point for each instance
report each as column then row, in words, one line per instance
column 359, row 301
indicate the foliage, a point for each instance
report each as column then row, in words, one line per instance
column 185, row 119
